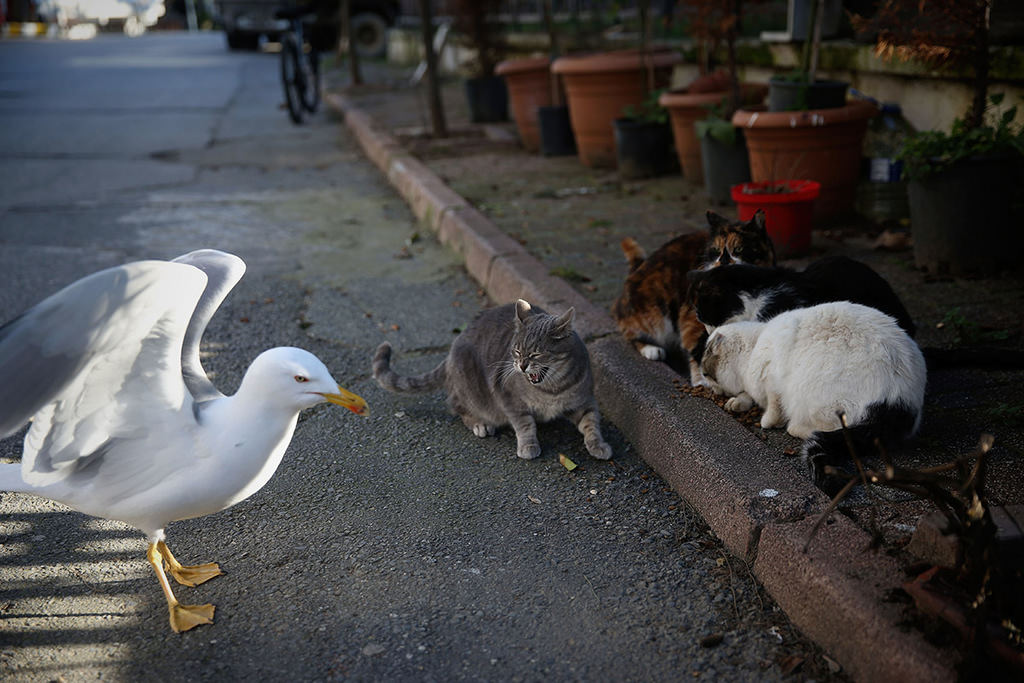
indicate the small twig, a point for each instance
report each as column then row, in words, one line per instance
column 829, row 510
column 732, row 588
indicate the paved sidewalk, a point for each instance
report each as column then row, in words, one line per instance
column 547, row 229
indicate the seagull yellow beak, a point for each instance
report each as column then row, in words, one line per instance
column 346, row 398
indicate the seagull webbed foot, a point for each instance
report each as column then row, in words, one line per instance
column 188, row 575
column 184, row 617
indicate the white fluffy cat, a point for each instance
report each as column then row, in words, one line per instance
column 805, row 366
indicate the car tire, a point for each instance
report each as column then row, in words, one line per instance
column 371, row 34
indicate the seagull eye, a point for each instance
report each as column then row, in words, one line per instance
column 300, row 379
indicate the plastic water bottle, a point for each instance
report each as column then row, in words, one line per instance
column 882, row 194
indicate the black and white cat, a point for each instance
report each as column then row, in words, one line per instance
column 513, row 365
column 745, row 292
column 806, row 366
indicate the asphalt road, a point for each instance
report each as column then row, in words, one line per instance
column 396, row 547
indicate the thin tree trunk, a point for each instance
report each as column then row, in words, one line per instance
column 554, row 51
column 976, row 116
column 730, row 55
column 353, row 55
column 437, row 122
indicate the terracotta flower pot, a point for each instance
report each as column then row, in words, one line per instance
column 599, row 87
column 686, row 108
column 818, row 144
column 529, row 88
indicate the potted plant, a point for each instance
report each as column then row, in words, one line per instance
column 555, row 128
column 712, row 21
column 802, row 89
column 476, row 21
column 529, row 88
column 968, row 177
column 824, row 144
column 788, row 207
column 643, row 140
column 600, row 86
column 723, row 153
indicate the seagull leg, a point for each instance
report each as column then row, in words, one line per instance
column 187, row 575
column 183, row 617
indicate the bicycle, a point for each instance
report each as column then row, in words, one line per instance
column 300, row 66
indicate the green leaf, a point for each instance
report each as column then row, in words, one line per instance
column 996, row 98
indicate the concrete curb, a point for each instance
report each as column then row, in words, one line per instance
column 835, row 593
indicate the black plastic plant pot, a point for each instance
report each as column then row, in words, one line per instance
column 786, row 95
column 556, row 136
column 962, row 219
column 488, row 99
column 644, row 149
column 724, row 165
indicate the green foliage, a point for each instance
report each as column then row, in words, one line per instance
column 717, row 125
column 1007, row 414
column 967, row 331
column 648, row 111
column 930, row 152
column 569, row 274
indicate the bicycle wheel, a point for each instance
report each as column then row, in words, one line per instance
column 311, row 97
column 293, row 77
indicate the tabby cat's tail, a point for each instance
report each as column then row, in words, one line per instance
column 390, row 380
column 886, row 425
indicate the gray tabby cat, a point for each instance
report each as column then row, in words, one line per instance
column 513, row 365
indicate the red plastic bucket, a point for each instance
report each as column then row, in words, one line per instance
column 788, row 211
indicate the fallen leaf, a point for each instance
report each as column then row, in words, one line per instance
column 566, row 462
column 790, row 664
column 833, row 665
column 243, row 319
column 534, row 500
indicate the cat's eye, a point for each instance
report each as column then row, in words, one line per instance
column 300, row 379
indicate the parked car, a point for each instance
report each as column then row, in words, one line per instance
column 131, row 16
column 245, row 21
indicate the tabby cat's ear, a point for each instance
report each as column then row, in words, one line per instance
column 523, row 310
column 562, row 327
column 716, row 222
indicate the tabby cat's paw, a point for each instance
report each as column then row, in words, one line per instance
column 599, row 449
column 651, row 352
column 528, row 451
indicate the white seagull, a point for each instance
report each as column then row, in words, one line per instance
column 125, row 423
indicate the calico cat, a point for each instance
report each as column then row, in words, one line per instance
column 652, row 310
column 513, row 365
column 806, row 366
column 742, row 292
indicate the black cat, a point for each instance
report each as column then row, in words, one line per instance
column 744, row 292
